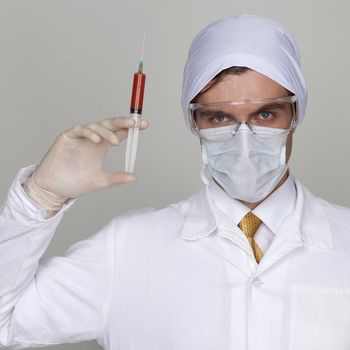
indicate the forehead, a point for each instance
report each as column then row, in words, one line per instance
column 247, row 85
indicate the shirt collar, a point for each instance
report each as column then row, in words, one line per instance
column 231, row 208
column 272, row 211
column 279, row 205
column 201, row 216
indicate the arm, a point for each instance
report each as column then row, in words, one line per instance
column 24, row 237
column 62, row 299
column 57, row 300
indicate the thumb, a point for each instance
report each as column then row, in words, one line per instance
column 115, row 179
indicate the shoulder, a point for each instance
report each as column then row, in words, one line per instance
column 336, row 214
column 339, row 222
column 169, row 219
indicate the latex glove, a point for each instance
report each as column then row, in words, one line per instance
column 73, row 166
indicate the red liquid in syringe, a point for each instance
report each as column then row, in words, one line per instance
column 138, row 90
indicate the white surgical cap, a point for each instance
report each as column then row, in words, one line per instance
column 247, row 41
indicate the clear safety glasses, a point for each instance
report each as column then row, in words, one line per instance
column 279, row 113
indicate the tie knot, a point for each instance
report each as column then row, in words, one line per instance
column 250, row 224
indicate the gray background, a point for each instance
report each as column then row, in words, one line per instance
column 64, row 62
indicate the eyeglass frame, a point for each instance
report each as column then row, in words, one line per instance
column 289, row 99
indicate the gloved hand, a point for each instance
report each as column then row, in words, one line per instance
column 73, row 166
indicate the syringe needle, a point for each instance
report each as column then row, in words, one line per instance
column 141, row 57
column 143, row 46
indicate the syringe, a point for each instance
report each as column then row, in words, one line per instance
column 135, row 113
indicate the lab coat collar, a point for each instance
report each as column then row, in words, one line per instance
column 308, row 225
column 312, row 219
column 200, row 220
column 309, row 221
column 283, row 199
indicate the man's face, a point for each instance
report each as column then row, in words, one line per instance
column 246, row 85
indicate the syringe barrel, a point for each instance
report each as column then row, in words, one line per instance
column 138, row 90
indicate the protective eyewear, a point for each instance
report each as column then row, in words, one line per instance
column 278, row 113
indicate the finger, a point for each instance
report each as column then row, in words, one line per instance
column 117, row 123
column 122, row 134
column 115, row 179
column 105, row 133
column 140, row 123
column 80, row 131
column 144, row 124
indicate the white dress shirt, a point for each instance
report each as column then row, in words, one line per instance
column 272, row 211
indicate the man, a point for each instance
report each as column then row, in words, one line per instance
column 253, row 261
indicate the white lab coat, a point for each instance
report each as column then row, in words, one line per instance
column 174, row 279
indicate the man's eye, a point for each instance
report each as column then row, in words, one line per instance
column 220, row 118
column 265, row 114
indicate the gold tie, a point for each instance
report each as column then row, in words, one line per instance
column 249, row 225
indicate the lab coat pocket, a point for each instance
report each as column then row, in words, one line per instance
column 320, row 318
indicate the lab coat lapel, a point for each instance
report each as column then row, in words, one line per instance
column 313, row 220
column 307, row 225
column 238, row 259
column 201, row 220
column 286, row 240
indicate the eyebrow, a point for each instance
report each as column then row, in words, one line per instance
column 275, row 105
column 268, row 106
column 210, row 112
